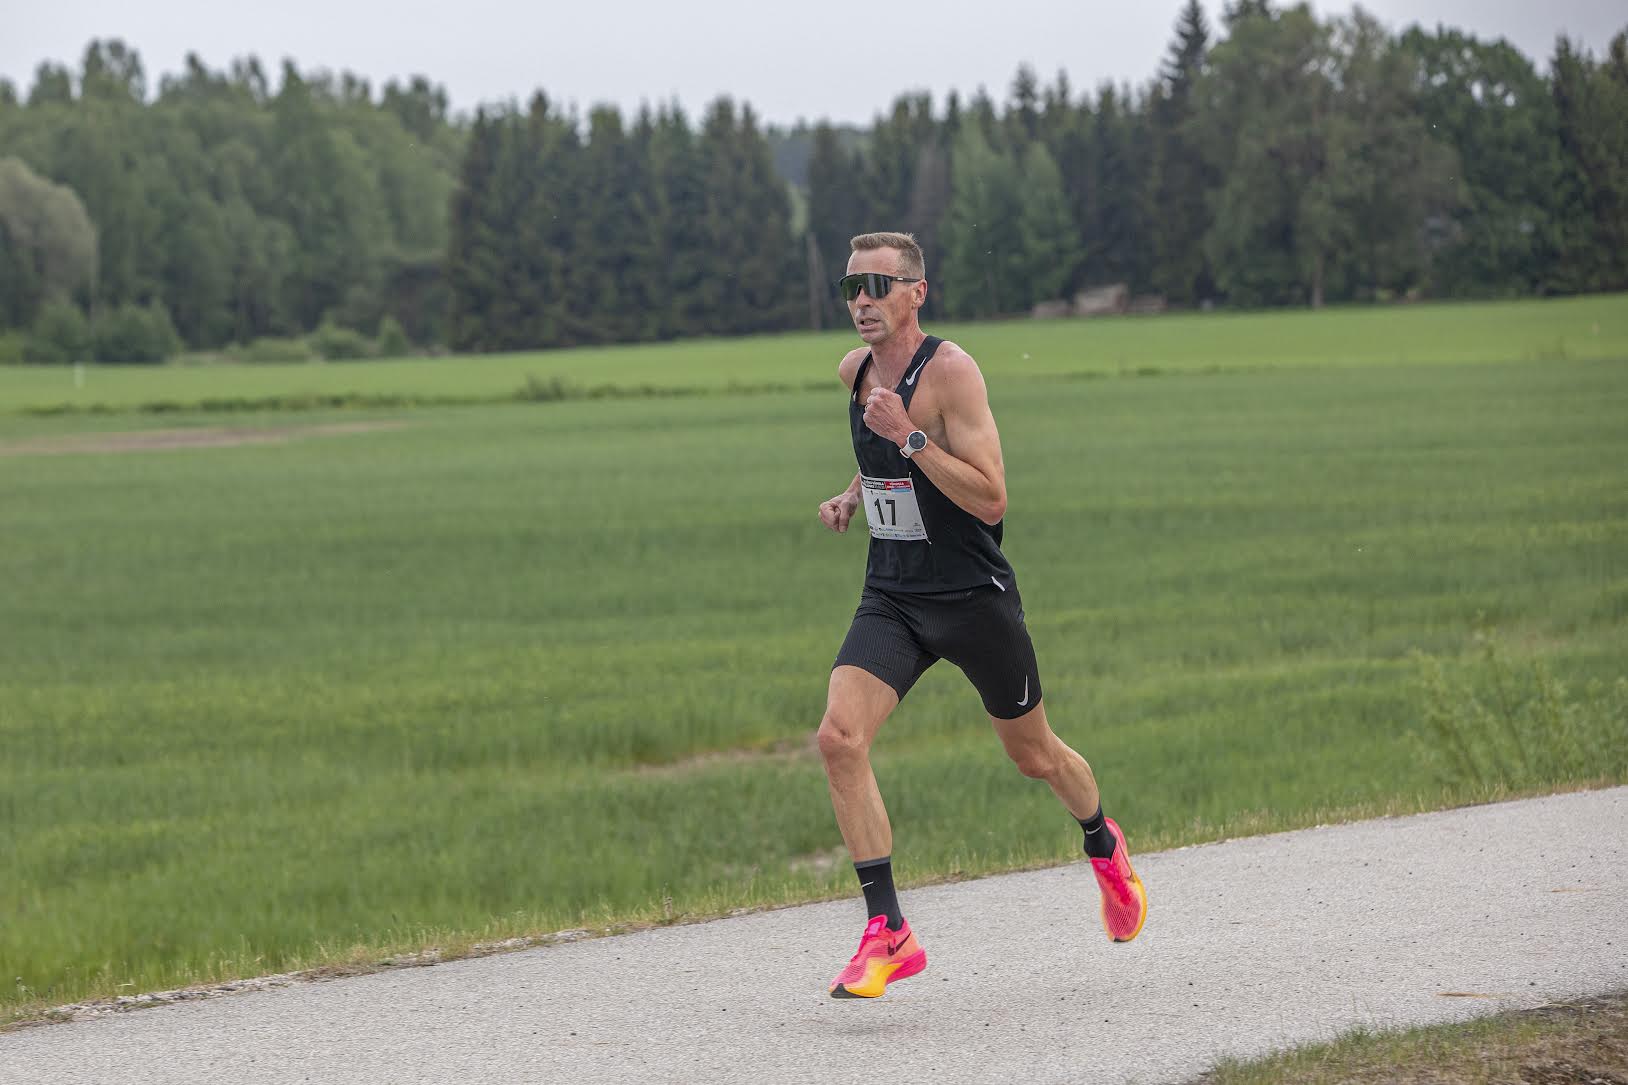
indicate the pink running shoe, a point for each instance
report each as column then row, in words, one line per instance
column 884, row 956
column 1124, row 901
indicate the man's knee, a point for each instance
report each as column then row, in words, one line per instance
column 1040, row 759
column 1035, row 763
column 840, row 736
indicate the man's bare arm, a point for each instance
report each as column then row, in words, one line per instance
column 969, row 471
column 835, row 512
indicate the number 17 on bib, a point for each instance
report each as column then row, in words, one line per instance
column 891, row 509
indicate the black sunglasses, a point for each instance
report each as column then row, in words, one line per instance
column 873, row 283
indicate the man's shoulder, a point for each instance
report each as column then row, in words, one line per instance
column 954, row 365
column 849, row 366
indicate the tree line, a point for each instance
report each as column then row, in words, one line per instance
column 222, row 210
column 1287, row 161
column 1276, row 159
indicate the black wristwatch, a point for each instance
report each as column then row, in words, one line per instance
column 913, row 443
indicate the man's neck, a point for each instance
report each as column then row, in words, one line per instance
column 893, row 356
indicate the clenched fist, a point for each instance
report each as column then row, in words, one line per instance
column 836, row 512
column 886, row 416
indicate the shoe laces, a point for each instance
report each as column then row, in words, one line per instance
column 1112, row 873
column 876, row 928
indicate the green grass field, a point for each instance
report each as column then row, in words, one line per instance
column 1569, row 329
column 507, row 669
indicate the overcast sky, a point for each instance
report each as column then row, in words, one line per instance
column 841, row 62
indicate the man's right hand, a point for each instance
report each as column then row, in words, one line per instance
column 836, row 512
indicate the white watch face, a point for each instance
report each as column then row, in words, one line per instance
column 917, row 441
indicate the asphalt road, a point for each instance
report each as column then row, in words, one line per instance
column 1250, row 945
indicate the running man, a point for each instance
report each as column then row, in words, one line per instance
column 932, row 488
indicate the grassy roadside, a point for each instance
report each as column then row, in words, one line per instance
column 1582, row 1042
column 502, row 671
column 507, row 934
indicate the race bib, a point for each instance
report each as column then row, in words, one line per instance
column 891, row 509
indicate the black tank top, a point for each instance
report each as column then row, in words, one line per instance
column 960, row 551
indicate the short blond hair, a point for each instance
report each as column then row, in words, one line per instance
column 911, row 261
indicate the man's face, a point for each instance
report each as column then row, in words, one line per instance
column 877, row 319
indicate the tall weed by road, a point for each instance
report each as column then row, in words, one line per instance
column 1506, row 724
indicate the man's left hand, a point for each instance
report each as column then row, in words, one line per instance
column 886, row 416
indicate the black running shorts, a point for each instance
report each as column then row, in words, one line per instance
column 896, row 636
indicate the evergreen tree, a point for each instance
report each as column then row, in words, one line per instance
column 755, row 283
column 930, row 194
column 981, row 112
column 838, row 208
column 1048, row 240
column 642, row 291
column 1591, row 103
column 420, row 107
column 1023, row 115
column 895, row 147
column 112, row 70
column 539, row 187
column 678, row 172
column 1114, row 224
column 607, row 233
column 982, row 240
column 1180, row 178
column 1057, row 114
column 951, row 127
column 1236, row 12
column 53, row 85
column 1069, row 131
column 473, row 256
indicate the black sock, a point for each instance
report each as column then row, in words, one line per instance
column 1099, row 842
column 876, row 879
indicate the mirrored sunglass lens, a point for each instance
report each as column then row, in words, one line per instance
column 874, row 285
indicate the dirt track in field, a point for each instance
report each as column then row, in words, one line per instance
column 157, row 440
